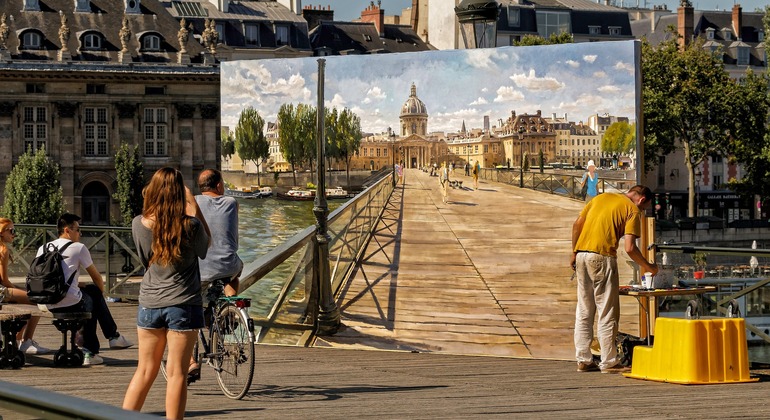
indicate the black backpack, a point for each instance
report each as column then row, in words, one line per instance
column 45, row 279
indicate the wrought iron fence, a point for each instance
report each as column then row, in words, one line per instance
column 560, row 184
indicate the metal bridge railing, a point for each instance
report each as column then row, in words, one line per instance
column 112, row 248
column 559, row 184
column 281, row 282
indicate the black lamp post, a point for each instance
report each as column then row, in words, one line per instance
column 393, row 154
column 478, row 22
column 521, row 157
column 328, row 320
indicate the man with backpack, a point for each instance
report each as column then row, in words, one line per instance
column 80, row 297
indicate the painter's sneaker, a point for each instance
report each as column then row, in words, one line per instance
column 120, row 343
column 90, row 359
column 30, row 346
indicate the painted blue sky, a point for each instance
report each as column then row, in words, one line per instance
column 455, row 85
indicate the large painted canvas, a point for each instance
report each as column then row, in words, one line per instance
column 582, row 87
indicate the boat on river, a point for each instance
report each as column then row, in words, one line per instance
column 299, row 194
column 250, row 192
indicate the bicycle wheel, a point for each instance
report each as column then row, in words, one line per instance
column 232, row 347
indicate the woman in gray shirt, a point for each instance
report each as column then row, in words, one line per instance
column 170, row 235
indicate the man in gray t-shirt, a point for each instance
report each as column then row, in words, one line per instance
column 221, row 213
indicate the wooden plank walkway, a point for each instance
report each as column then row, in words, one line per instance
column 486, row 274
column 322, row 383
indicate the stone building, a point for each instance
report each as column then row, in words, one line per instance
column 527, row 135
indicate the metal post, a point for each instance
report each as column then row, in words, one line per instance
column 328, row 314
column 393, row 155
column 521, row 160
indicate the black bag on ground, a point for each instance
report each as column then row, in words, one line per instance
column 45, row 279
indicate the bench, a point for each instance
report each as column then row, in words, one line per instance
column 13, row 317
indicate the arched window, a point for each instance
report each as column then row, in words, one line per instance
column 151, row 43
column 31, row 40
column 92, row 41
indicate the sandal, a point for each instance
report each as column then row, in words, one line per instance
column 193, row 374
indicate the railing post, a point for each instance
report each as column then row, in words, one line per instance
column 108, row 279
column 328, row 314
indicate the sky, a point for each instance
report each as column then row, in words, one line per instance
column 456, row 86
column 347, row 10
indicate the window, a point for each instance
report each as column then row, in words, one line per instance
column 252, row 35
column 155, row 131
column 95, row 131
column 514, row 16
column 614, row 30
column 728, row 35
column 35, row 88
column 378, row 152
column 282, row 35
column 151, row 43
column 594, row 30
column 35, row 127
column 743, row 56
column 220, row 32
column 761, row 36
column 154, row 90
column 31, row 40
column 549, row 22
column 92, row 42
column 96, row 89
column 710, row 33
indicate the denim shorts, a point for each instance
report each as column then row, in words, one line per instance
column 174, row 318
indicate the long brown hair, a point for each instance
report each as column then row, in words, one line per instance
column 4, row 222
column 164, row 203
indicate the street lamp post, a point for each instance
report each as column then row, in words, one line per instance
column 478, row 22
column 328, row 320
column 521, row 157
column 393, row 155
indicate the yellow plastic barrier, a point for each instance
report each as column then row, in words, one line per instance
column 694, row 351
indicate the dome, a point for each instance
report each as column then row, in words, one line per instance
column 413, row 105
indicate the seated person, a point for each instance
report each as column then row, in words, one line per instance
column 85, row 298
column 9, row 293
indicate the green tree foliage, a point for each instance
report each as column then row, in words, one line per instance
column 228, row 145
column 250, row 141
column 619, row 139
column 349, row 137
column 33, row 192
column 288, row 139
column 130, row 180
column 560, row 38
column 690, row 104
column 307, row 126
column 333, row 149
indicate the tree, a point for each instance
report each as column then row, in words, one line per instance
column 619, row 139
column 228, row 145
column 541, row 160
column 349, row 137
column 305, row 117
column 560, row 38
column 250, row 141
column 288, row 140
column 689, row 104
column 33, row 192
column 333, row 149
column 130, row 180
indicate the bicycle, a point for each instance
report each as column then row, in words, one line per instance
column 229, row 348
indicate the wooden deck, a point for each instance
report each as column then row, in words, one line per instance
column 322, row 383
column 487, row 274
column 454, row 285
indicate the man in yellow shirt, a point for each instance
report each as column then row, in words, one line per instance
column 595, row 238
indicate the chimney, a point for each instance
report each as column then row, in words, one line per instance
column 374, row 14
column 737, row 21
column 685, row 23
column 316, row 15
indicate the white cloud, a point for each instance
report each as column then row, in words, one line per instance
column 479, row 101
column 589, row 58
column 484, row 89
column 532, row 82
column 336, row 102
column 507, row 94
column 600, row 74
column 374, row 93
column 624, row 66
column 484, row 58
column 573, row 63
column 592, row 102
column 609, row 89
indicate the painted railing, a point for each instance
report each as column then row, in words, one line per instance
column 561, row 184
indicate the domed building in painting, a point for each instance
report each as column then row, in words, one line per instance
column 414, row 115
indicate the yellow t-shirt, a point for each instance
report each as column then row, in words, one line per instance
column 608, row 217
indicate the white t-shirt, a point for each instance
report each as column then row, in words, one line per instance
column 77, row 256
